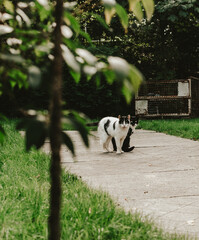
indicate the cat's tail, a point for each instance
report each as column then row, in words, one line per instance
column 129, row 149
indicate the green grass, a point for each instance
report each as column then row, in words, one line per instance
column 186, row 128
column 86, row 213
column 24, row 184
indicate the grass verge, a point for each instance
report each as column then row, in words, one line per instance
column 86, row 213
column 186, row 128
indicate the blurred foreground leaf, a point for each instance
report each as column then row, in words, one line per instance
column 12, row 58
column 36, row 134
column 34, row 76
column 136, row 8
column 67, row 140
column 4, row 29
column 121, row 12
column 149, row 8
column 80, row 125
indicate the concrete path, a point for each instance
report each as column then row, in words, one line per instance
column 160, row 178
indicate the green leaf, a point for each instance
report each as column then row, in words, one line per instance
column 66, row 32
column 88, row 77
column 28, row 32
column 76, row 76
column 70, row 59
column 86, row 36
column 69, row 5
column 4, row 29
column 110, row 76
column 67, row 140
column 135, row 77
column 44, row 3
column 12, row 58
column 9, row 6
column 44, row 14
column 183, row 14
column 80, row 125
column 136, row 8
column 120, row 66
column 17, row 74
column 149, row 8
column 24, row 17
column 86, row 55
column 71, row 21
column 109, row 9
column 43, row 9
column 127, row 91
column 17, row 78
column 2, row 134
column 172, row 18
column 13, row 83
column 109, row 13
column 109, row 3
column 35, row 134
column 132, row 83
column 34, row 76
column 97, row 80
column 122, row 15
column 89, row 71
column 101, row 21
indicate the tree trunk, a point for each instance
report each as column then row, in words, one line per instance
column 55, row 129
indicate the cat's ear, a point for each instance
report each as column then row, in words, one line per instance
column 119, row 116
column 129, row 117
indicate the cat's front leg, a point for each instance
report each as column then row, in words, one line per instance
column 107, row 144
column 118, row 144
column 121, row 144
column 114, row 145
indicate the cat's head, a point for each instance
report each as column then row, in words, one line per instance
column 134, row 121
column 124, row 121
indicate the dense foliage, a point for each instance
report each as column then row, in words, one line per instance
column 165, row 48
column 26, row 52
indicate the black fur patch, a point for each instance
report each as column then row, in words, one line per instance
column 106, row 125
column 114, row 145
column 114, row 125
column 134, row 120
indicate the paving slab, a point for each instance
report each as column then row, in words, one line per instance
column 159, row 178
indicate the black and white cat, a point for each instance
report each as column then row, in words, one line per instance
column 126, row 144
column 111, row 127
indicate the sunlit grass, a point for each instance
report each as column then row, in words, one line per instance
column 86, row 213
column 186, row 128
column 24, row 185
